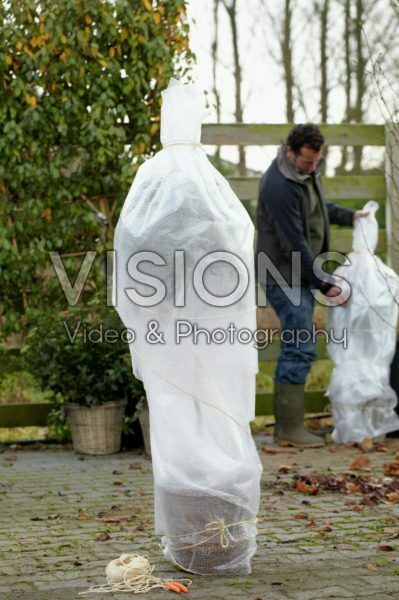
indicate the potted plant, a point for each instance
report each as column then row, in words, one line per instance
column 84, row 360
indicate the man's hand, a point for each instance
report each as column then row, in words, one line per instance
column 338, row 295
column 359, row 214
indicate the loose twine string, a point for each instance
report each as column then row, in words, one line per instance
column 134, row 576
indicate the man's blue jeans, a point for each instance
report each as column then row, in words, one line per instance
column 298, row 347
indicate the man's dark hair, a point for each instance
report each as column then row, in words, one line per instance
column 305, row 135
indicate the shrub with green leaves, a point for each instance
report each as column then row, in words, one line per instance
column 80, row 86
column 81, row 358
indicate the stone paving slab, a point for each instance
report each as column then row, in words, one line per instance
column 51, row 499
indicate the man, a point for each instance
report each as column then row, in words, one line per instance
column 293, row 217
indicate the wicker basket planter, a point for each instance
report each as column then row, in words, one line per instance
column 97, row 429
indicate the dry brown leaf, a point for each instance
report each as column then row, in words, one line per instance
column 385, row 548
column 103, row 537
column 351, row 488
column 117, row 519
column 279, row 450
column 10, row 457
column 393, row 497
column 392, row 469
column 301, row 516
column 306, row 488
column 83, row 517
column 372, row 567
column 361, row 463
column 310, row 525
column 366, row 445
column 284, row 468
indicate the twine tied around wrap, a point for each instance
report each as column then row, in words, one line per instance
column 219, row 526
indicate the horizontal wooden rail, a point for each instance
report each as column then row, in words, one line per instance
column 35, row 415
column 341, row 238
column 24, row 415
column 315, row 402
column 260, row 134
column 345, row 187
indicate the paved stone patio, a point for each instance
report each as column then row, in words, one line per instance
column 53, row 505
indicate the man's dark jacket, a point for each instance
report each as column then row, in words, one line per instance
column 283, row 223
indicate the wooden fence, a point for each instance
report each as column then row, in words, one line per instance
column 347, row 190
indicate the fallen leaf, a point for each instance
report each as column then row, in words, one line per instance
column 118, row 519
column 351, row 488
column 103, row 537
column 392, row 469
column 306, row 487
column 284, row 468
column 10, row 457
column 361, row 463
column 385, row 548
column 372, row 567
column 119, row 483
column 83, row 517
column 301, row 516
column 366, row 445
column 310, row 525
column 278, row 450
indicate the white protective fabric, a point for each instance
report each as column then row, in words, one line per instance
column 201, row 395
column 362, row 400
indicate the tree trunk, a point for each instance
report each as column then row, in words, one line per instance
column 324, row 60
column 286, row 51
column 358, row 110
column 214, row 52
column 324, row 91
column 348, row 78
column 232, row 13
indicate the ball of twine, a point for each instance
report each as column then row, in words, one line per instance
column 129, row 573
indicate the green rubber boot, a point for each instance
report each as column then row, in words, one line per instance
column 288, row 406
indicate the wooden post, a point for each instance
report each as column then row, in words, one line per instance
column 392, row 204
